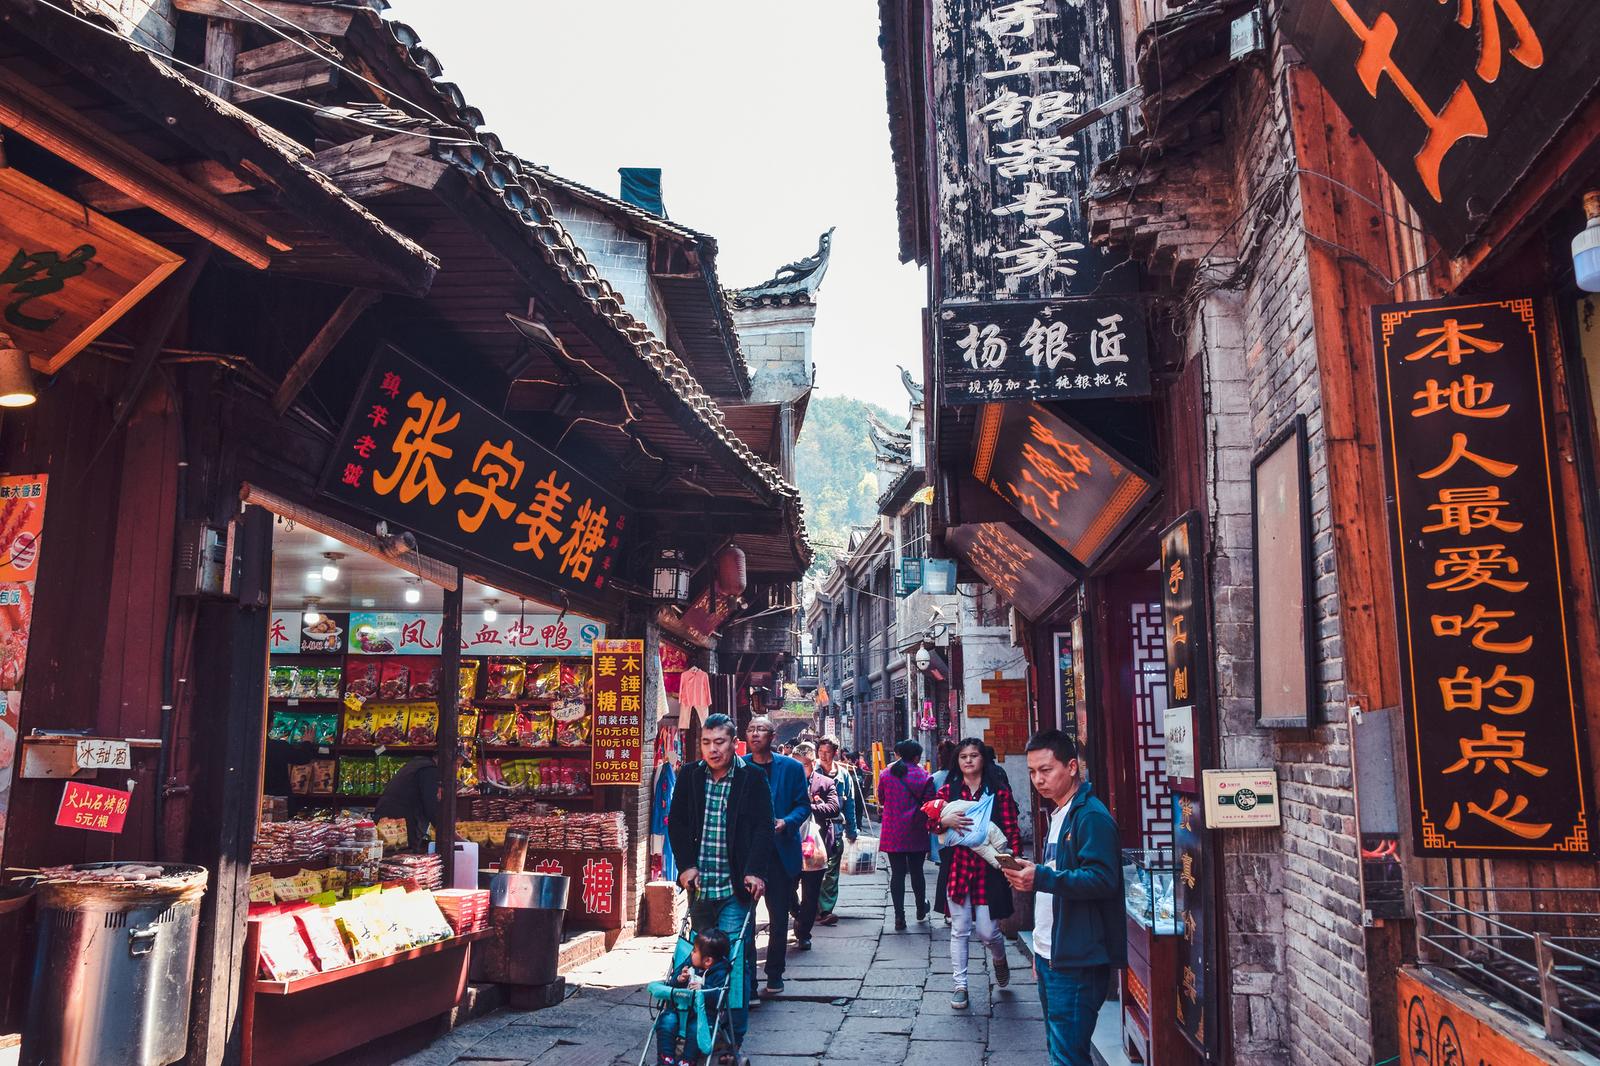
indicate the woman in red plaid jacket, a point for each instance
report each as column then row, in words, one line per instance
column 977, row 894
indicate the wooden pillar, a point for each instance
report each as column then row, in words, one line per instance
column 222, row 52
column 449, row 728
column 231, row 680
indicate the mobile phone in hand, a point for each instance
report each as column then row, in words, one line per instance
column 1008, row 862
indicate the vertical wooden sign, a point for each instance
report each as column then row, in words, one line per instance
column 1184, row 615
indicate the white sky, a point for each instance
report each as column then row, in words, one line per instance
column 767, row 119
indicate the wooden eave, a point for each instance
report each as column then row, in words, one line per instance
column 902, row 39
column 121, row 89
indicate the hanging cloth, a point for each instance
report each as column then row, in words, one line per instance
column 694, row 694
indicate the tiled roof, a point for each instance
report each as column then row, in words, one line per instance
column 504, row 176
column 795, row 283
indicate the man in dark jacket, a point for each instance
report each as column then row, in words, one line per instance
column 1079, row 932
column 720, row 823
column 413, row 794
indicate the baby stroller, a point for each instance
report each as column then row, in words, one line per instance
column 705, row 1030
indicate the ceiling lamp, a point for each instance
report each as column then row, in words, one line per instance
column 489, row 612
column 671, row 580
column 413, row 593
column 330, row 569
column 16, row 376
column 311, row 616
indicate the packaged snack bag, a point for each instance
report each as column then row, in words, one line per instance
column 321, row 933
column 395, row 680
column 328, row 679
column 572, row 734
column 362, row 678
column 335, row 879
column 357, row 727
column 389, row 725
column 422, row 724
column 304, row 683
column 261, row 888
column 580, row 781
column 285, row 954
column 467, row 774
column 544, row 677
column 300, row 779
column 505, row 679
column 468, row 675
column 282, row 682
column 288, row 889
column 425, row 679
column 282, row 725
column 535, row 729
column 325, row 728
column 467, row 726
column 392, row 831
column 505, row 728
column 322, row 773
column 351, row 918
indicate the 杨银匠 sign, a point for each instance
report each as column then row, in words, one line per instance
column 425, row 455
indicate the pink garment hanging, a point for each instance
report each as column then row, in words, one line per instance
column 694, row 694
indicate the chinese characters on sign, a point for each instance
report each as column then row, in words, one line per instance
column 423, row 454
column 1071, row 489
column 618, row 711
column 1457, row 98
column 1075, row 349
column 1011, row 75
column 1183, row 615
column 1011, row 566
column 66, row 273
column 100, row 810
column 1495, row 730
column 420, row 633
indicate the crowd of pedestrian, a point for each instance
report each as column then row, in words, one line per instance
column 771, row 827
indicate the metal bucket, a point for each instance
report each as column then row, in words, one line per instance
column 113, row 970
column 529, row 891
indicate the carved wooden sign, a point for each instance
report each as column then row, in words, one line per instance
column 66, row 273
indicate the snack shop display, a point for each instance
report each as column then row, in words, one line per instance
column 395, row 680
column 422, row 725
column 505, row 680
column 468, row 673
column 363, row 678
column 389, row 725
column 357, row 728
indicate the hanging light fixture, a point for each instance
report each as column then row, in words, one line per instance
column 16, row 376
column 330, row 569
column 671, row 580
column 413, row 593
column 489, row 612
column 311, row 615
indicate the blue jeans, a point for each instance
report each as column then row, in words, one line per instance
column 667, row 1036
column 729, row 915
column 1072, row 999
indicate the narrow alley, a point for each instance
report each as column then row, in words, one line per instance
column 864, row 994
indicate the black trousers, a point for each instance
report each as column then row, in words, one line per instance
column 782, row 900
column 811, row 896
column 900, row 864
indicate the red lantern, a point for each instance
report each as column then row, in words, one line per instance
column 730, row 572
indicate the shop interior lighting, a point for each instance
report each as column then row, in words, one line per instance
column 311, row 616
column 489, row 612
column 16, row 376
column 413, row 594
column 330, row 569
column 1585, row 247
column 670, row 582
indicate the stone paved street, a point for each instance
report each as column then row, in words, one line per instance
column 864, row 994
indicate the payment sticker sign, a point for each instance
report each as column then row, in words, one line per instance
column 1239, row 799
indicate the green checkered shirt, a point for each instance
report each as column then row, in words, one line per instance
column 716, row 871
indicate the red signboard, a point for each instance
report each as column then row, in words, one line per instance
column 101, row 810
column 618, row 712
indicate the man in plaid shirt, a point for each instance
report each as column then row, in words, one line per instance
column 977, row 895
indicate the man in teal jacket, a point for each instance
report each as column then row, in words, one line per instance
column 1079, row 932
column 827, row 754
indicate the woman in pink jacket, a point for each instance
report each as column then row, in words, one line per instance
column 904, row 787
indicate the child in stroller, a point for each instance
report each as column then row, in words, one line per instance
column 706, row 980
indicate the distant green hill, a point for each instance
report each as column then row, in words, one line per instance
column 836, row 472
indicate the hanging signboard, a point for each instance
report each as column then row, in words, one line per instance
column 618, row 722
column 1071, row 489
column 1184, row 614
column 1012, row 187
column 1019, row 572
column 1068, row 350
column 1495, row 725
column 423, row 454
column 66, row 273
column 1457, row 100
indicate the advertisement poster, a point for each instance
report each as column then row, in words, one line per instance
column 22, row 499
column 618, row 712
column 99, row 810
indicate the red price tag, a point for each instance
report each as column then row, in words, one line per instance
column 100, row 810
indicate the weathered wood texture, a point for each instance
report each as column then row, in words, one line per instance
column 352, row 307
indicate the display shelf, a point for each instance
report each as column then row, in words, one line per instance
column 335, row 799
column 289, row 869
column 529, row 701
column 292, row 702
column 317, row 980
column 373, row 749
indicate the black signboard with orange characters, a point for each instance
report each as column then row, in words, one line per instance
column 1494, row 727
column 1023, row 575
column 1186, row 640
column 421, row 453
column 1457, row 98
column 1073, row 490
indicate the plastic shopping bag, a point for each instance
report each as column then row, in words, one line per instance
column 813, row 847
column 860, row 856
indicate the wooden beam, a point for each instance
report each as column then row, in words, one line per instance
column 268, row 56
column 355, row 302
column 296, row 80
column 221, row 56
column 334, row 22
column 172, row 297
column 39, row 117
column 210, row 175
